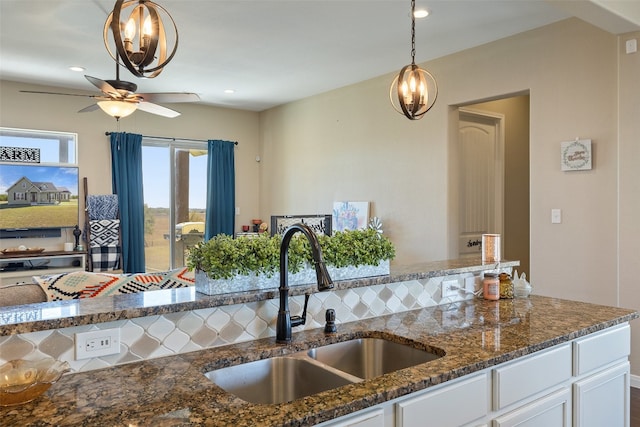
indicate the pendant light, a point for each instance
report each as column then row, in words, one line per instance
column 141, row 42
column 413, row 91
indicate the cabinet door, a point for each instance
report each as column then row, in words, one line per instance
column 553, row 410
column 370, row 418
column 603, row 398
column 451, row 405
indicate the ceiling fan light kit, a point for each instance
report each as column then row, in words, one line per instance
column 118, row 109
column 120, row 99
column 141, row 43
column 414, row 90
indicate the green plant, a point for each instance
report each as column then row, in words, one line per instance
column 222, row 257
column 356, row 247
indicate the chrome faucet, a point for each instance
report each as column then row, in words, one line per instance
column 285, row 321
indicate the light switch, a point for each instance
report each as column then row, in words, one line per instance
column 237, row 210
column 556, row 216
column 631, row 46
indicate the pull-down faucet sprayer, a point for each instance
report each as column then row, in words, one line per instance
column 285, row 321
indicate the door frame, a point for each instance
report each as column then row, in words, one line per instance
column 498, row 122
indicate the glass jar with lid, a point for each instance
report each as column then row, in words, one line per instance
column 491, row 286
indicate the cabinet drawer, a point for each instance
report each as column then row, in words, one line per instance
column 536, row 373
column 367, row 418
column 602, row 348
column 553, row 410
column 451, row 405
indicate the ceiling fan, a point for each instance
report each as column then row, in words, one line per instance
column 119, row 98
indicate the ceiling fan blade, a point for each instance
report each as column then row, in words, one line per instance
column 157, row 109
column 57, row 93
column 103, row 86
column 92, row 107
column 168, row 97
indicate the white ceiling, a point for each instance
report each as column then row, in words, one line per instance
column 274, row 51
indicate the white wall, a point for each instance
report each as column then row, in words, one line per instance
column 629, row 189
column 350, row 144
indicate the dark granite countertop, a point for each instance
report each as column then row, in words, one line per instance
column 63, row 314
column 173, row 391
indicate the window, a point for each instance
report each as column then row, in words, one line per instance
column 174, row 183
column 58, row 148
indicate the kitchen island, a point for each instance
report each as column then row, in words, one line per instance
column 482, row 342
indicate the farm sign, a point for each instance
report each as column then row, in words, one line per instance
column 19, row 154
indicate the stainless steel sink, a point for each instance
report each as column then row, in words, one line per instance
column 286, row 378
column 276, row 380
column 371, row 357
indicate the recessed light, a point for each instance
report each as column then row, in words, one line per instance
column 421, row 13
column 77, row 68
column 229, row 91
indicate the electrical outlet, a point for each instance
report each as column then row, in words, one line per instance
column 449, row 288
column 470, row 284
column 102, row 342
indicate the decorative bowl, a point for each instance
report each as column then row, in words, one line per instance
column 22, row 251
column 22, row 381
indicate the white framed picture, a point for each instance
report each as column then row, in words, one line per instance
column 575, row 155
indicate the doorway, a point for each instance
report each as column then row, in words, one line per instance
column 494, row 135
column 481, row 159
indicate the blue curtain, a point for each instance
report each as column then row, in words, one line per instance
column 126, row 173
column 221, row 189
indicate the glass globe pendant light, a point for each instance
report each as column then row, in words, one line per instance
column 414, row 90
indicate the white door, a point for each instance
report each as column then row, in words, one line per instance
column 481, row 172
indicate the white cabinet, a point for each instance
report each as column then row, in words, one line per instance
column 366, row 418
column 583, row 383
column 597, row 350
column 601, row 393
column 453, row 404
column 533, row 375
column 602, row 399
column 553, row 410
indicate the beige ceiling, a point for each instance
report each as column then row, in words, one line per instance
column 273, row 52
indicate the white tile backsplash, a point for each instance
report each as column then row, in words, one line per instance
column 174, row 333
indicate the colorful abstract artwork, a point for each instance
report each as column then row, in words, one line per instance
column 350, row 215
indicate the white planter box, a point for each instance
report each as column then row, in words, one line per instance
column 307, row 276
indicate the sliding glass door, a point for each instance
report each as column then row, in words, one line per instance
column 174, row 181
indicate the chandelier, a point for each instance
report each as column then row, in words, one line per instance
column 413, row 91
column 141, row 43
